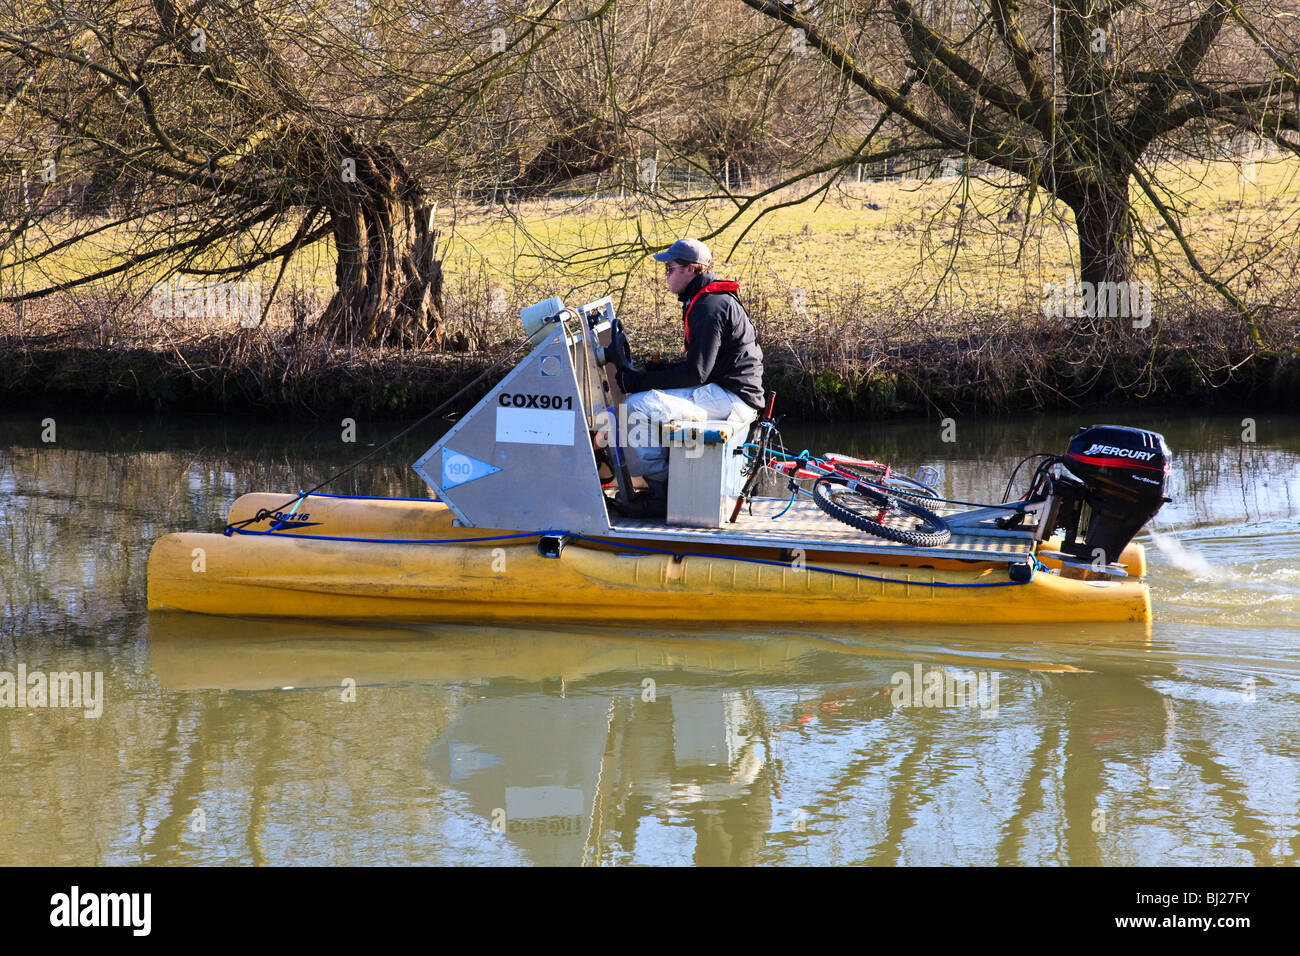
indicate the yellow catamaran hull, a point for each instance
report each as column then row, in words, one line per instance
column 503, row 579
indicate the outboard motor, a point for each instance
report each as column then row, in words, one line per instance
column 1122, row 475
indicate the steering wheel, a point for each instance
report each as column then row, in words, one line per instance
column 618, row 352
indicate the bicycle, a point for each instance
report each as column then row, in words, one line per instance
column 862, row 494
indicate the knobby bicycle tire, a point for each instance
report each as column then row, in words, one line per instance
column 827, row 498
column 900, row 485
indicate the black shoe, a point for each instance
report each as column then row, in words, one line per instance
column 644, row 504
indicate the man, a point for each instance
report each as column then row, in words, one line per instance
column 721, row 377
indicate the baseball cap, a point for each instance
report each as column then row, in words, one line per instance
column 687, row 250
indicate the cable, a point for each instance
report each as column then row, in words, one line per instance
column 677, row 555
column 332, row 537
column 1014, row 471
column 809, row 567
column 788, row 505
column 373, row 497
column 264, row 513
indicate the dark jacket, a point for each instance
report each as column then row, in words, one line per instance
column 721, row 347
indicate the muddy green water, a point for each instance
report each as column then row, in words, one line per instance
column 237, row 741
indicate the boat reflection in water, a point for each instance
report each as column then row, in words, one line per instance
column 589, row 746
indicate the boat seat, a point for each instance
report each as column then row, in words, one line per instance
column 709, row 432
column 704, row 470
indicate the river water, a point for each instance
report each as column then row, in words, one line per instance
column 215, row 740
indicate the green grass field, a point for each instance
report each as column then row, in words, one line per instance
column 920, row 246
column 943, row 249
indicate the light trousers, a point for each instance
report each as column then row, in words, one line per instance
column 704, row 403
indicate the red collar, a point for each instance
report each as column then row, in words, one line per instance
column 715, row 286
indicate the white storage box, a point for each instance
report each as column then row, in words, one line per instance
column 704, row 471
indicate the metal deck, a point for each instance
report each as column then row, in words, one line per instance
column 807, row 526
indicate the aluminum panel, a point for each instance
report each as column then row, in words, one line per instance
column 807, row 526
column 521, row 459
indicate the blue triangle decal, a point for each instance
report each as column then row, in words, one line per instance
column 457, row 469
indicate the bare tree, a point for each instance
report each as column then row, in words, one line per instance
column 259, row 129
column 1067, row 95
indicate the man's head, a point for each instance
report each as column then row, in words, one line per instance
column 683, row 261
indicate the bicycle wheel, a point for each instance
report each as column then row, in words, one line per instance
column 881, row 514
column 907, row 488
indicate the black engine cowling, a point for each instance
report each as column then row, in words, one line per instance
column 1122, row 476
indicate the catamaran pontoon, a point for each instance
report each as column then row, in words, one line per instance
column 522, row 528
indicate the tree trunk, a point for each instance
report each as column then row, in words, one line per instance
column 389, row 278
column 1102, row 219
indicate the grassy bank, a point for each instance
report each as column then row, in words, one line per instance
column 900, row 298
column 996, row 365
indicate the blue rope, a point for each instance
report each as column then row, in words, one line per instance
column 264, row 515
column 319, row 494
column 784, row 564
column 677, row 555
column 329, row 537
